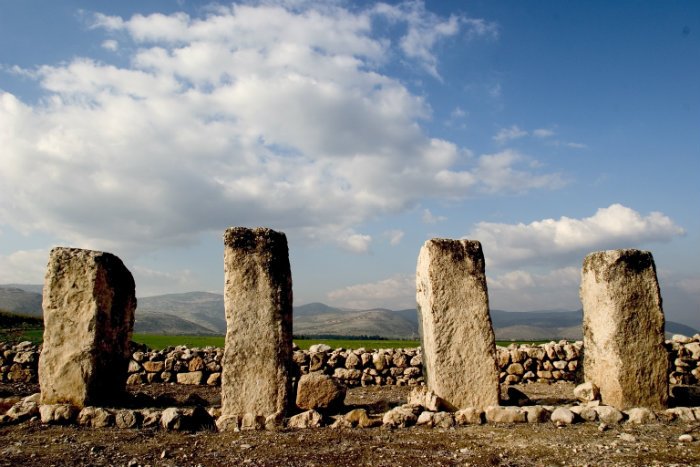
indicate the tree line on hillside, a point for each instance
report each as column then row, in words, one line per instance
column 10, row 321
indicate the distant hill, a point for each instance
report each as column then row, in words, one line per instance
column 169, row 325
column 537, row 325
column 16, row 300
column 320, row 319
column 36, row 288
column 202, row 313
column 677, row 328
column 203, row 309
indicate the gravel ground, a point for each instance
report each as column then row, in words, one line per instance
column 34, row 444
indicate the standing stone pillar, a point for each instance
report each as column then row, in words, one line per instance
column 623, row 329
column 459, row 347
column 255, row 376
column 89, row 304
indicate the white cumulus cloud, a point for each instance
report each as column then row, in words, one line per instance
column 395, row 236
column 500, row 173
column 543, row 132
column 521, row 290
column 152, row 282
column 24, row 267
column 553, row 240
column 429, row 219
column 458, row 113
column 272, row 114
column 110, row 44
column 398, row 291
column 355, row 243
column 507, row 134
column 424, row 29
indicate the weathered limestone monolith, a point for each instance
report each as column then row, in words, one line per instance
column 89, row 304
column 459, row 348
column 255, row 376
column 623, row 329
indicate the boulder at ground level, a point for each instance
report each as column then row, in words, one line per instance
column 426, row 398
column 562, row 416
column 536, row 414
column 23, row 409
column 400, row 417
column 497, row 414
column 58, row 414
column 359, row 418
column 308, row 419
column 469, row 416
column 127, row 418
column 640, row 416
column 229, row 423
column 319, row 391
column 95, row 417
column 176, row 418
column 436, row 419
column 587, row 392
column 608, row 414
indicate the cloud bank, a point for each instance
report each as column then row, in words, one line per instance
column 538, row 265
column 279, row 114
column 521, row 290
column 398, row 291
column 24, row 267
column 559, row 241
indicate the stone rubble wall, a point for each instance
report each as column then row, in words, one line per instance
column 19, row 363
column 423, row 407
column 550, row 362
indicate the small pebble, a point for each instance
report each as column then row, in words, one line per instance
column 628, row 437
column 686, row 438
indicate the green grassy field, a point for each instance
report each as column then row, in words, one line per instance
column 160, row 342
column 15, row 336
column 15, row 328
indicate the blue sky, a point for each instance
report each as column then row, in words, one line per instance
column 546, row 130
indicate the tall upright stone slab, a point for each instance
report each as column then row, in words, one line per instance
column 623, row 329
column 89, row 304
column 255, row 377
column 459, row 347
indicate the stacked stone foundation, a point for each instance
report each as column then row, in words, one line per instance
column 518, row 364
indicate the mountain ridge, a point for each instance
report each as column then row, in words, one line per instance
column 202, row 313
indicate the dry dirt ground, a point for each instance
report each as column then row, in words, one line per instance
column 34, row 444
